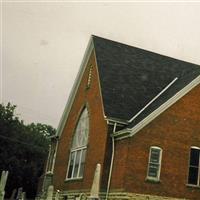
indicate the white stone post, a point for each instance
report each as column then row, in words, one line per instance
column 4, row 176
column 19, row 193
column 94, row 193
column 50, row 193
column 23, row 195
column 12, row 197
column 57, row 195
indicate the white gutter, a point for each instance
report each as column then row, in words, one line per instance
column 111, row 163
column 54, row 156
column 171, row 83
column 51, row 167
column 121, row 133
column 118, row 121
column 48, row 158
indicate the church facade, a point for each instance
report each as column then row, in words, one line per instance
column 137, row 114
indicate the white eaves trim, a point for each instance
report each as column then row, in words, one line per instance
column 118, row 121
column 130, row 132
column 156, row 97
column 70, row 101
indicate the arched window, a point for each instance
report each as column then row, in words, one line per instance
column 78, row 148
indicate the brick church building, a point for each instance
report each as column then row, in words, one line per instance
column 137, row 113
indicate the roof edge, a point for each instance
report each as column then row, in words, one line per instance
column 124, row 133
column 117, row 120
column 99, row 81
column 146, row 50
column 129, row 132
column 74, row 89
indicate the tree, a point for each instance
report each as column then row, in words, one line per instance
column 23, row 150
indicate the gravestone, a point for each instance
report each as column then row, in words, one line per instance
column 19, row 193
column 94, row 193
column 12, row 197
column 50, row 193
column 57, row 195
column 4, row 176
column 23, row 196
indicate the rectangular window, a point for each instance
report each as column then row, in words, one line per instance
column 71, row 164
column 82, row 163
column 154, row 165
column 76, row 163
column 193, row 177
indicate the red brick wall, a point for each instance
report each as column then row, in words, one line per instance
column 97, row 133
column 175, row 131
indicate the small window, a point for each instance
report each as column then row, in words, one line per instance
column 154, row 165
column 193, row 177
column 79, row 146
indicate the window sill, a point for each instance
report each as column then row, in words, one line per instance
column 193, row 186
column 73, row 179
column 152, row 180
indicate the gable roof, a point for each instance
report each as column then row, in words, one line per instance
column 131, row 78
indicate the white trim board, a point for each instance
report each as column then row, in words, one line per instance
column 156, row 97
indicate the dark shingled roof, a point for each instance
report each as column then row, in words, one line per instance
column 131, row 77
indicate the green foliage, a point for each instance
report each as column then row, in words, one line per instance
column 23, row 150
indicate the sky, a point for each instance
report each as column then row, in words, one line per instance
column 43, row 43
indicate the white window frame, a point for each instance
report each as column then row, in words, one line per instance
column 159, row 164
column 198, row 178
column 77, row 149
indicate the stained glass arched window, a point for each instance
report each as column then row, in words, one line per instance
column 78, row 148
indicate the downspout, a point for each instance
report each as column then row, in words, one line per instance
column 48, row 158
column 111, row 163
column 54, row 156
column 46, row 170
